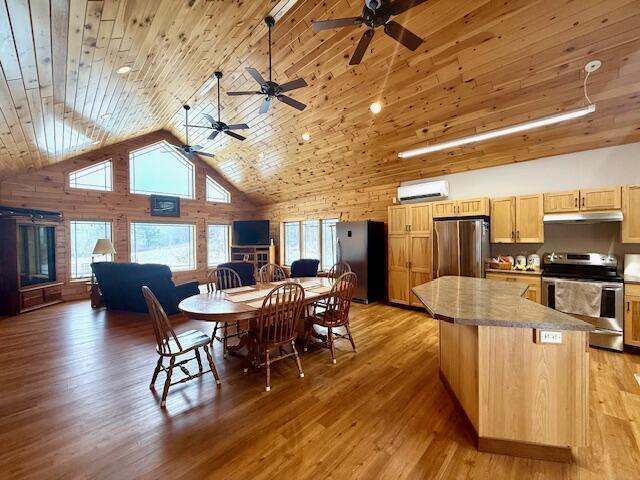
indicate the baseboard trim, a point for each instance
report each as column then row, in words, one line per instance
column 511, row 448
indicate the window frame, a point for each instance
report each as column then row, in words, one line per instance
column 163, row 143
column 301, row 237
column 110, row 221
column 213, row 265
column 108, row 161
column 210, row 180
column 194, row 241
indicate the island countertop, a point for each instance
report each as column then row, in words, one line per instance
column 481, row 301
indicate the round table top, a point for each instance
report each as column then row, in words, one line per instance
column 216, row 306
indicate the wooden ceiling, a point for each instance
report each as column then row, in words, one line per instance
column 483, row 65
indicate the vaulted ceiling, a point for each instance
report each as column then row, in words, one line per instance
column 484, row 64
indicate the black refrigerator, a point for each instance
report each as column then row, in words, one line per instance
column 362, row 246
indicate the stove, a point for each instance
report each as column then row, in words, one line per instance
column 590, row 269
column 581, row 266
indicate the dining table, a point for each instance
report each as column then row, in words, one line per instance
column 244, row 303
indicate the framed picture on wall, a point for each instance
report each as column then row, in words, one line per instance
column 164, row 206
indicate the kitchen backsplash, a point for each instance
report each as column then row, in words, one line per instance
column 581, row 238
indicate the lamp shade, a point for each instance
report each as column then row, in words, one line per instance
column 104, row 247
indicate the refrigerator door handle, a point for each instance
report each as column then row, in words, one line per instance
column 338, row 251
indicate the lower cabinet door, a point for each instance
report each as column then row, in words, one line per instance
column 398, row 276
column 632, row 320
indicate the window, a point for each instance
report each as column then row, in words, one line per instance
column 311, row 239
column 217, row 244
column 216, row 193
column 93, row 177
column 171, row 244
column 160, row 170
column 291, row 242
column 84, row 235
column 329, row 243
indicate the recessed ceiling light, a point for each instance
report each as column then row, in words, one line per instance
column 124, row 69
column 261, row 155
column 375, row 107
column 105, row 116
column 306, row 136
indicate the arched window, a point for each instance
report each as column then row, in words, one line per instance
column 216, row 192
column 159, row 169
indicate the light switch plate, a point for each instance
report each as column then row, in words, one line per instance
column 548, row 336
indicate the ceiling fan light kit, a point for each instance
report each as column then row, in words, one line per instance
column 520, row 127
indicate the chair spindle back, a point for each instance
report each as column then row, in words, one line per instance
column 339, row 269
column 339, row 301
column 271, row 273
column 223, row 278
column 281, row 310
column 161, row 325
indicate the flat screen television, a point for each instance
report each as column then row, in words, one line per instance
column 37, row 254
column 251, row 232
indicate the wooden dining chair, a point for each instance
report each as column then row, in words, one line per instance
column 334, row 314
column 276, row 327
column 223, row 278
column 339, row 269
column 271, row 273
column 169, row 345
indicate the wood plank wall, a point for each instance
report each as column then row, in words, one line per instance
column 48, row 189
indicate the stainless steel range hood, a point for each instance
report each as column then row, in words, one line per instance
column 584, row 217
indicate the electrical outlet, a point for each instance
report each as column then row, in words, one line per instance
column 549, row 336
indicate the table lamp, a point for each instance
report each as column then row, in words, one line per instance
column 103, row 247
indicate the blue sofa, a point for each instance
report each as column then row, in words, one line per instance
column 305, row 267
column 245, row 270
column 121, row 286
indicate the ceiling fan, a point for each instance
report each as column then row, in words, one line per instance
column 219, row 126
column 270, row 88
column 187, row 149
column 376, row 13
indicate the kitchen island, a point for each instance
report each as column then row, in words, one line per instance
column 518, row 370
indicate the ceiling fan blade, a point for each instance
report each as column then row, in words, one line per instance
column 205, row 154
column 234, row 135
column 402, row 35
column 335, row 23
column 266, row 103
column 235, row 94
column 209, row 118
column 361, row 49
column 213, row 135
column 293, row 85
column 199, row 126
column 238, row 126
column 256, row 75
column 400, row 6
column 290, row 101
column 196, row 147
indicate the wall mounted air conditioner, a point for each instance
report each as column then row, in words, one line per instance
column 422, row 191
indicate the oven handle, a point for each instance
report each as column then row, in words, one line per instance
column 612, row 333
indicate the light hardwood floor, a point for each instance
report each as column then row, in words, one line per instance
column 75, row 403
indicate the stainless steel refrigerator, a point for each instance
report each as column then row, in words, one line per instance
column 362, row 246
column 460, row 247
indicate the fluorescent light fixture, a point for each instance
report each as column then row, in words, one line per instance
column 500, row 132
column 105, row 116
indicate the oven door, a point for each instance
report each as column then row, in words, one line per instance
column 608, row 331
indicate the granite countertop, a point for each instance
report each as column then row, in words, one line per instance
column 632, row 279
column 481, row 301
column 516, row 272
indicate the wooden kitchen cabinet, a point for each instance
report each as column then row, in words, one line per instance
column 631, row 213
column 409, row 250
column 503, row 220
column 533, row 281
column 517, row 219
column 562, row 202
column 468, row 207
column 529, row 219
column 632, row 315
column 595, row 199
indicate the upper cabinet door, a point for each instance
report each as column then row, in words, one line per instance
column 444, row 209
column 529, row 219
column 503, row 220
column 472, row 206
column 601, row 199
column 631, row 213
column 420, row 218
column 398, row 219
column 562, row 202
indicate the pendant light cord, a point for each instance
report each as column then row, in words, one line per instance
column 270, row 53
column 218, row 100
column 584, row 86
